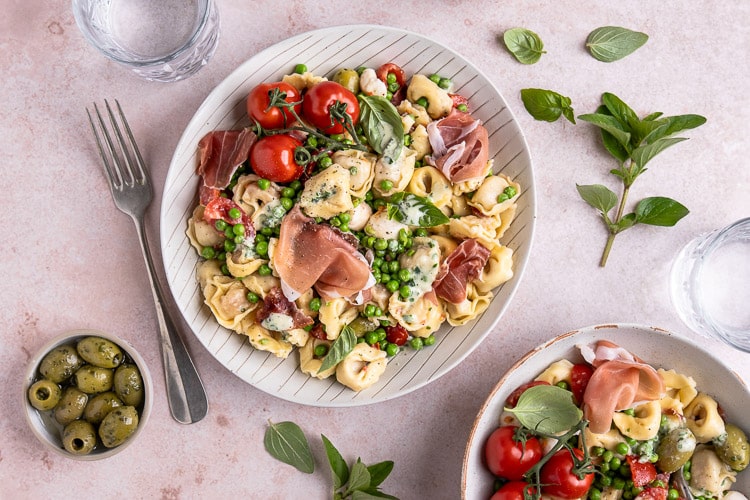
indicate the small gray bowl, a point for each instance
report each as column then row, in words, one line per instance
column 43, row 424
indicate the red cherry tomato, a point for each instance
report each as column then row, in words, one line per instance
column 258, row 102
column 513, row 490
column 318, row 101
column 396, row 334
column 558, row 478
column 272, row 157
column 391, row 68
column 510, row 459
column 579, row 380
column 512, row 400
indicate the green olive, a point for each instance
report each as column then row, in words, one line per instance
column 44, row 394
column 79, row 437
column 60, row 363
column 362, row 325
column 118, row 425
column 100, row 405
column 100, row 352
column 71, row 405
column 675, row 449
column 734, row 449
column 92, row 379
column 348, row 78
column 129, row 384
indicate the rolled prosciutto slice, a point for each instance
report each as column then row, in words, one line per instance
column 221, row 152
column 310, row 254
column 460, row 146
column 463, row 265
column 620, row 380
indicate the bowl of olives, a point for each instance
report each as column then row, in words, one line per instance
column 87, row 394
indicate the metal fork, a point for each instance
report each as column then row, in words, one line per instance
column 131, row 191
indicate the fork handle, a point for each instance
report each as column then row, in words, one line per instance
column 188, row 402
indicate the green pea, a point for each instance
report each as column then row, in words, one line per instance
column 315, row 304
column 225, row 270
column 391, row 78
column 296, row 185
column 344, row 227
column 208, row 253
column 345, row 218
column 392, row 285
column 429, row 340
column 615, row 463
column 334, row 221
column 618, row 483
column 220, row 225
column 462, row 108
column 230, row 246
column 262, row 248
column 287, row 203
column 563, row 385
column 235, row 213
column 607, row 456
column 300, row 68
column 416, row 343
column 445, row 83
column 386, row 185
column 435, row 78
column 238, row 229
column 404, row 275
column 391, row 350
column 265, row 270
column 393, row 87
column 264, row 184
column 673, row 494
column 622, row 448
column 371, row 337
column 380, row 244
column 404, row 291
column 252, row 297
column 595, row 494
column 597, row 451
column 320, row 350
column 422, row 101
column 325, row 162
column 369, row 310
column 288, row 192
column 266, row 231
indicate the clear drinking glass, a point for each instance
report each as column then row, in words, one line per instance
column 710, row 284
column 160, row 40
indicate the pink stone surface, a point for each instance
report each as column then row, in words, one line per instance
column 72, row 259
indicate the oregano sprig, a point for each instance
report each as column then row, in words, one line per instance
column 633, row 142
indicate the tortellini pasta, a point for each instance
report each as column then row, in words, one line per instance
column 680, row 391
column 361, row 167
column 430, row 183
column 643, row 424
column 710, row 477
column 335, row 314
column 265, row 340
column 439, row 103
column 362, row 367
column 474, row 305
column 498, row 270
column 485, row 199
column 310, row 364
column 422, row 317
column 201, row 233
column 703, row 419
column 394, row 177
column 225, row 296
column 327, row 193
column 559, row 371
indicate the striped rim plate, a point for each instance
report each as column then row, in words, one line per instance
column 324, row 51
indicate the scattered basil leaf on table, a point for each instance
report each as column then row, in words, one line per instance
column 547, row 105
column 612, row 43
column 633, row 142
column 339, row 469
column 547, row 409
column 415, row 210
column 340, row 348
column 382, row 126
column 524, row 44
column 286, row 442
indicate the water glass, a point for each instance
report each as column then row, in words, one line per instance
column 160, row 40
column 710, row 284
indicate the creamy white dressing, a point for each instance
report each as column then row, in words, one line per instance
column 277, row 322
column 423, row 265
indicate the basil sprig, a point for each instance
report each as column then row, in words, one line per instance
column 414, row 210
column 382, row 126
column 612, row 43
column 525, row 45
column 341, row 347
column 547, row 105
column 547, row 409
column 633, row 142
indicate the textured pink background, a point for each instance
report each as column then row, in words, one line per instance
column 72, row 260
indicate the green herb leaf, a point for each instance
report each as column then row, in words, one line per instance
column 359, row 478
column 547, row 409
column 620, row 110
column 379, row 472
column 627, row 221
column 339, row 469
column 524, row 44
column 679, row 123
column 598, row 196
column 286, row 442
column 414, row 210
column 547, row 105
column 340, row 348
column 371, row 494
column 611, row 125
column 642, row 155
column 612, row 43
column 660, row 211
column 382, row 126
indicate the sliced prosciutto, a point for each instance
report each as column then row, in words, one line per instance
column 620, row 380
column 310, row 254
column 460, row 146
column 221, row 152
column 463, row 265
column 279, row 314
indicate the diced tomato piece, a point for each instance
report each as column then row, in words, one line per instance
column 512, row 400
column 579, row 380
column 458, row 100
column 642, row 472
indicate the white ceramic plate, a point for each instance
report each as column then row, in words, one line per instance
column 324, row 51
column 658, row 347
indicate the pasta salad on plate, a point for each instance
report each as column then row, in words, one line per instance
column 357, row 215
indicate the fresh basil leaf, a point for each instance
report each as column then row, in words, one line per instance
column 340, row 348
column 382, row 126
column 653, row 116
column 548, row 409
column 682, row 122
column 339, row 469
column 611, row 125
column 643, row 154
column 627, row 221
column 286, row 442
column 524, row 44
column 379, row 472
column 598, row 196
column 547, row 105
column 620, row 110
column 359, row 479
column 660, row 211
column 371, row 494
column 414, row 210
column 612, row 43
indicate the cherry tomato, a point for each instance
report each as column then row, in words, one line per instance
column 391, row 68
column 579, row 379
column 642, row 473
column 396, row 334
column 512, row 400
column 510, row 459
column 272, row 157
column 513, row 490
column 318, row 101
column 559, row 479
column 258, row 102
